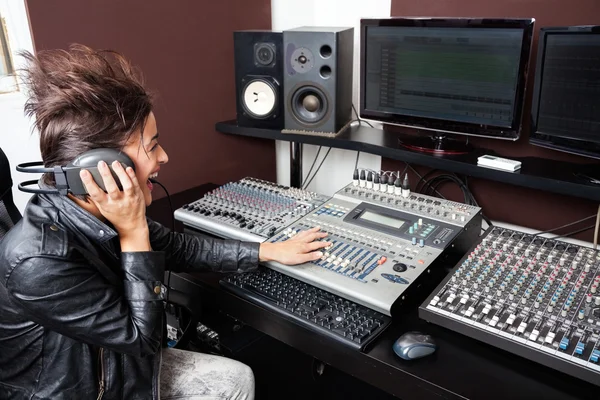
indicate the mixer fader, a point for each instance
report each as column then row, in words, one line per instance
column 530, row 295
column 249, row 209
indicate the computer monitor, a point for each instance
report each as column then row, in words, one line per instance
column 459, row 76
column 565, row 112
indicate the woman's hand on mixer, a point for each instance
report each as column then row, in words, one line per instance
column 301, row 248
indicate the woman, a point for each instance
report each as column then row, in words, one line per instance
column 81, row 310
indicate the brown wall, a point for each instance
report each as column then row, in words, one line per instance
column 185, row 50
column 517, row 205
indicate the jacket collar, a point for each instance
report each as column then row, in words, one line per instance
column 80, row 218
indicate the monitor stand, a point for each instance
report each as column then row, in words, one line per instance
column 436, row 143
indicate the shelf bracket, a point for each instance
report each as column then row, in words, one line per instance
column 296, row 165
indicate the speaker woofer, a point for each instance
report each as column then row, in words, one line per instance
column 259, row 98
column 309, row 105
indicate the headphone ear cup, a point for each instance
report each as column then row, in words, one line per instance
column 76, row 185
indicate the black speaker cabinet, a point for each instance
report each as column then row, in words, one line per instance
column 318, row 78
column 259, row 78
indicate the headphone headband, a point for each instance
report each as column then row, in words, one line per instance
column 62, row 186
column 28, row 167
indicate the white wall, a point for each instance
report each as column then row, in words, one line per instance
column 337, row 169
column 16, row 138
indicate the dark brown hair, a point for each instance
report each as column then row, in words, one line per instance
column 83, row 99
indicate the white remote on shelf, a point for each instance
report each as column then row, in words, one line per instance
column 504, row 164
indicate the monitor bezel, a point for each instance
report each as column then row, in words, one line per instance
column 445, row 126
column 563, row 143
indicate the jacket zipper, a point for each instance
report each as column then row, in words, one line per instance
column 101, row 372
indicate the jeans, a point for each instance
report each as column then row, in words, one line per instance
column 187, row 375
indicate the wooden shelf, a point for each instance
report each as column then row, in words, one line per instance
column 536, row 173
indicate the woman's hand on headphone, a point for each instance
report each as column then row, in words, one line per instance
column 124, row 209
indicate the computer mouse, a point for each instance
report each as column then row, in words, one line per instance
column 413, row 345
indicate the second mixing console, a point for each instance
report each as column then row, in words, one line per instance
column 249, row 209
column 530, row 295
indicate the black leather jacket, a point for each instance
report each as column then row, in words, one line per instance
column 77, row 316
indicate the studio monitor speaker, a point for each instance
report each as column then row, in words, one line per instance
column 318, row 78
column 259, row 78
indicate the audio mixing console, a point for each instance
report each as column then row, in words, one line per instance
column 381, row 243
column 533, row 296
column 249, row 209
column 382, row 240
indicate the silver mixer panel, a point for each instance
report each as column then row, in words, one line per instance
column 377, row 251
column 249, row 209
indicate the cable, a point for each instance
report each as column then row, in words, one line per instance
column 314, row 162
column 318, row 168
column 574, row 232
column 596, row 229
column 171, row 233
column 421, row 177
column 358, row 117
column 356, row 162
column 430, row 187
column 566, row 225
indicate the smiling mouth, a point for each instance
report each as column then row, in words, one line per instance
column 149, row 181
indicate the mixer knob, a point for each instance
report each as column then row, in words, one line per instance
column 581, row 314
column 563, row 312
column 414, row 241
column 597, row 301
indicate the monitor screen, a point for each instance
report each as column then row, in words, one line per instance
column 566, row 104
column 454, row 75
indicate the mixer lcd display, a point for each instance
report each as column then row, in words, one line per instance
column 382, row 219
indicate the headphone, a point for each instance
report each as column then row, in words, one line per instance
column 67, row 177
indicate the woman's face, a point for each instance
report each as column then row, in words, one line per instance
column 147, row 155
